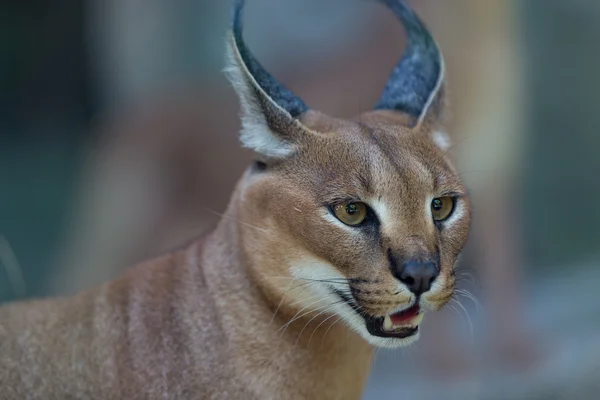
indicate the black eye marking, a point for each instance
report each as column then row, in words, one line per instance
column 259, row 166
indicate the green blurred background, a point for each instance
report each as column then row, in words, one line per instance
column 118, row 129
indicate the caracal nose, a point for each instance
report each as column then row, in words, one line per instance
column 418, row 276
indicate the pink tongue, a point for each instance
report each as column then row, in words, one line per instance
column 404, row 316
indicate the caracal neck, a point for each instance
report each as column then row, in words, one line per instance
column 273, row 362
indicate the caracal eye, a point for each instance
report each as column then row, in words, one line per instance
column 442, row 207
column 353, row 213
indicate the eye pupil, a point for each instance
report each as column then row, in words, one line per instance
column 442, row 207
column 352, row 214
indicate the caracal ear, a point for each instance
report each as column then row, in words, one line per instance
column 269, row 111
column 416, row 85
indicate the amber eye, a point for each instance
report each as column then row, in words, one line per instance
column 442, row 207
column 350, row 213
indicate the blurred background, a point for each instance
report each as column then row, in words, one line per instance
column 118, row 140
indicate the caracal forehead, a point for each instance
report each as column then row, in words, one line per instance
column 373, row 154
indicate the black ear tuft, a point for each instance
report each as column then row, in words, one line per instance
column 283, row 97
column 415, row 84
column 270, row 112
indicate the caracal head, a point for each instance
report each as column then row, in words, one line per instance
column 364, row 218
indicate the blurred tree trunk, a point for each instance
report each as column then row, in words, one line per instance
column 480, row 41
column 45, row 107
column 170, row 152
column 562, row 162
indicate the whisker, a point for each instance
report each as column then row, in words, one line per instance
column 324, row 280
column 338, row 280
column 308, row 285
column 461, row 140
column 281, row 301
column 457, row 312
column 285, row 326
column 310, row 320
column 472, row 330
column 470, row 273
column 297, row 317
column 465, row 293
column 237, row 220
column 304, row 284
column 309, row 297
column 322, row 322
column 334, row 322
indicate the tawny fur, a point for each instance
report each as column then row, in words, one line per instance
column 248, row 311
column 190, row 324
column 199, row 321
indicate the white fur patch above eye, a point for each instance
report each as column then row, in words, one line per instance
column 441, row 140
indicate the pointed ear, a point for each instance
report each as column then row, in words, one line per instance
column 269, row 111
column 416, row 85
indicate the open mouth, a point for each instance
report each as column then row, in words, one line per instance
column 399, row 325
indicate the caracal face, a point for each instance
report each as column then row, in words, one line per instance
column 361, row 219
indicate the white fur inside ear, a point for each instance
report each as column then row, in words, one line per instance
column 255, row 133
column 441, row 139
column 261, row 139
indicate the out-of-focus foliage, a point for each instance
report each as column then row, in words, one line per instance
column 118, row 140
